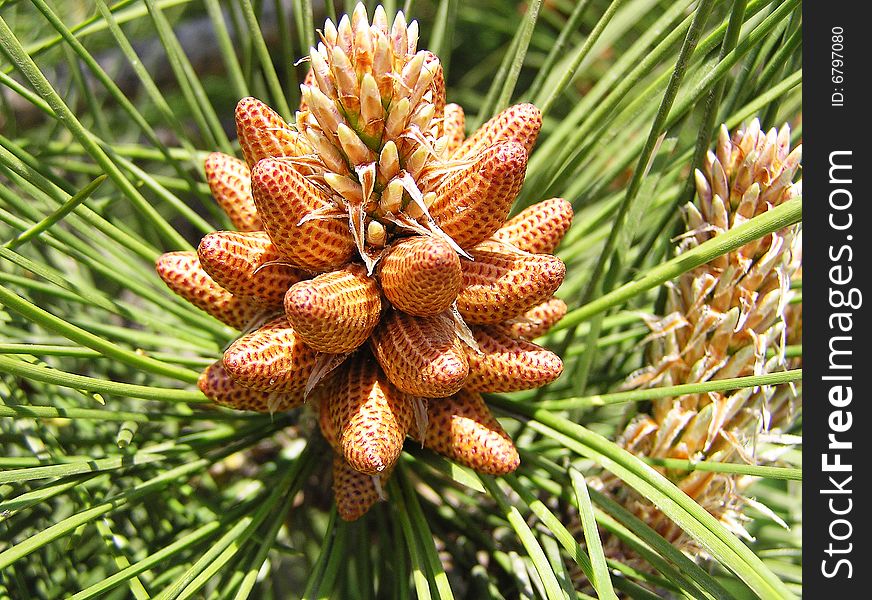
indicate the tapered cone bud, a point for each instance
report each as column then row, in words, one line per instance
column 247, row 264
column 421, row 356
column 308, row 80
column 454, row 127
column 272, row 358
column 519, row 123
column 322, row 397
column 229, row 180
column 500, row 284
column 472, row 204
column 335, row 312
column 463, row 429
column 536, row 321
column 181, row 271
column 355, row 492
column 509, row 365
column 539, row 228
column 284, row 197
column 437, row 85
column 264, row 134
column 370, row 417
column 421, row 276
column 217, row 385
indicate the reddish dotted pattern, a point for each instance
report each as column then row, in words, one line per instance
column 238, row 262
column 355, row 492
column 217, row 385
column 298, row 251
column 437, row 86
column 500, row 283
column 272, row 358
column 229, row 181
column 182, row 273
column 283, row 197
column 326, row 423
column 473, row 203
column 263, row 133
column 539, row 228
column 335, row 312
column 454, row 126
column 509, row 365
column 421, row 276
column 519, row 123
column 536, row 321
column 422, row 356
column 369, row 416
column 463, row 429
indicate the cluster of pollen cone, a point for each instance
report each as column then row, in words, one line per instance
column 729, row 318
column 374, row 272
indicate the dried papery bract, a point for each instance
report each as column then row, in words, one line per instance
column 728, row 318
column 373, row 242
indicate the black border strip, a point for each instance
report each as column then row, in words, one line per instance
column 835, row 271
